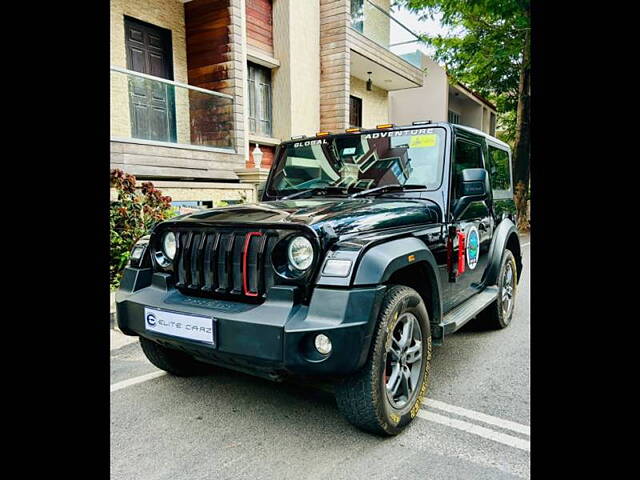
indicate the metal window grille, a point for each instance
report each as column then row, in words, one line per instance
column 454, row 117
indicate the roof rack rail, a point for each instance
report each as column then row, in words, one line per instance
column 298, row 137
column 421, row 122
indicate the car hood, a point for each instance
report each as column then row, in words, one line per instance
column 344, row 215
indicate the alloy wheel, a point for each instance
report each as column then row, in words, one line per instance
column 403, row 362
column 507, row 291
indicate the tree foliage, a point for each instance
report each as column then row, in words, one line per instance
column 485, row 52
column 488, row 51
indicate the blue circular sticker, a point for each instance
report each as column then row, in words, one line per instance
column 473, row 247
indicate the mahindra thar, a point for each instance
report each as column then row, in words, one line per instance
column 366, row 248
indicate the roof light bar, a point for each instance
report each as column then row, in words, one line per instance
column 386, row 125
column 352, row 130
column 322, row 134
column 299, row 137
column 421, row 122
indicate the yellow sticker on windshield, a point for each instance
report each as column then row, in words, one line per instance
column 420, row 141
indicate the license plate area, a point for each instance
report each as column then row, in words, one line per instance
column 197, row 328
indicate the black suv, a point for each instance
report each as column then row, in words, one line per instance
column 367, row 248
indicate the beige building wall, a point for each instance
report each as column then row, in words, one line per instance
column 470, row 111
column 201, row 191
column 296, row 83
column 375, row 104
column 376, row 25
column 428, row 102
column 167, row 14
column 486, row 123
column 186, row 191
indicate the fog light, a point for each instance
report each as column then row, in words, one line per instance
column 323, row 344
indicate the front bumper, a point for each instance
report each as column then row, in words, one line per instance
column 272, row 339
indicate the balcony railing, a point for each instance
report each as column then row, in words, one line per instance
column 372, row 19
column 153, row 110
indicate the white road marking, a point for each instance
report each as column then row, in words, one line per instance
column 476, row 430
column 479, row 416
column 135, row 380
column 425, row 414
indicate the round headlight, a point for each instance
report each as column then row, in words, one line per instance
column 169, row 245
column 300, row 253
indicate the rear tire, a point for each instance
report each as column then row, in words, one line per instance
column 385, row 395
column 172, row 361
column 498, row 315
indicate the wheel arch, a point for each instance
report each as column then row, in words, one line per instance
column 513, row 244
column 421, row 277
column 406, row 261
column 505, row 236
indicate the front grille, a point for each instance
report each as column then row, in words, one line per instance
column 224, row 263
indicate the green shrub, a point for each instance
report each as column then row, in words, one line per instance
column 131, row 217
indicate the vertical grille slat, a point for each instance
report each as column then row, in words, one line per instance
column 236, row 264
column 210, row 251
column 196, row 257
column 251, row 255
column 178, row 257
column 225, row 267
column 184, row 268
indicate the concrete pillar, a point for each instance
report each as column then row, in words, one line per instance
column 335, row 64
column 295, row 84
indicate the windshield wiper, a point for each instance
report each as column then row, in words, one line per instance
column 384, row 189
column 311, row 191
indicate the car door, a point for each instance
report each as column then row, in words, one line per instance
column 473, row 228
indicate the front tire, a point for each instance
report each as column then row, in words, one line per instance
column 172, row 361
column 385, row 395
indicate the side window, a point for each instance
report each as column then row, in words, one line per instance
column 260, row 116
column 468, row 155
column 499, row 169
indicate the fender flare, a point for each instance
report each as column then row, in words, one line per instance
column 380, row 262
column 506, row 233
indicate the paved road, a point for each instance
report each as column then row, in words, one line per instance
column 234, row 426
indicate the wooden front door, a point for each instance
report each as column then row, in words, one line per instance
column 151, row 103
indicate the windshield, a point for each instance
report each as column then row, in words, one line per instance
column 361, row 161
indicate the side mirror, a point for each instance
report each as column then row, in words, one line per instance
column 473, row 186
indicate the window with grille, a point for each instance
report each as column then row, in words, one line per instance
column 454, row 117
column 260, row 114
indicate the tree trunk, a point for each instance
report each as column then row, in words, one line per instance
column 522, row 141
